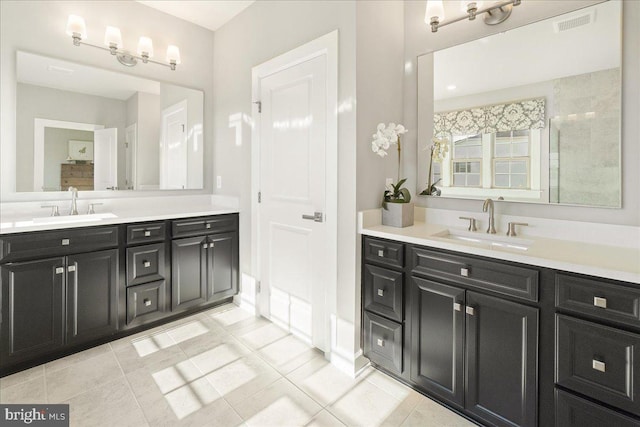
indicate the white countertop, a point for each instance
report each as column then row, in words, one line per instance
column 612, row 262
column 20, row 223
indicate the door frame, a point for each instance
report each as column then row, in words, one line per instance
column 327, row 46
column 164, row 159
column 132, row 149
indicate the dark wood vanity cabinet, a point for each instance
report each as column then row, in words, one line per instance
column 52, row 303
column 65, row 290
column 204, row 268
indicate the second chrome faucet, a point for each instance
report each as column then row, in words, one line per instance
column 488, row 205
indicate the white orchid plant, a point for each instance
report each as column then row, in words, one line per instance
column 439, row 149
column 383, row 139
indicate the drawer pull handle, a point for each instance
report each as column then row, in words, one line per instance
column 59, row 270
column 147, row 302
column 146, row 264
column 381, row 252
column 470, row 311
column 457, row 306
column 599, row 366
column 71, row 268
column 208, row 226
column 380, row 342
column 147, row 233
column 600, row 302
column 380, row 292
column 464, row 272
column 65, row 242
column 204, row 246
column 211, row 245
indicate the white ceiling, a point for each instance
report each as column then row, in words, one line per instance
column 49, row 72
column 206, row 13
column 530, row 54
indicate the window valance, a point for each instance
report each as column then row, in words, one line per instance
column 520, row 115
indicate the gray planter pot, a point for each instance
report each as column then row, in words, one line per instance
column 398, row 214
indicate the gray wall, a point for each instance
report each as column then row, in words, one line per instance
column 56, row 150
column 419, row 40
column 39, row 27
column 53, row 104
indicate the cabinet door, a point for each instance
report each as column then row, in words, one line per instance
column 32, row 309
column 92, row 295
column 223, row 266
column 437, row 339
column 502, row 361
column 188, row 272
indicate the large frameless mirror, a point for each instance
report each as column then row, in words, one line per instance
column 519, row 116
column 95, row 129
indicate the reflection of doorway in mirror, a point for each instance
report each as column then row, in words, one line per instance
column 131, row 147
column 106, row 159
column 173, row 149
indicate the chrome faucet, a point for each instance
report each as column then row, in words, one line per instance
column 74, row 197
column 488, row 204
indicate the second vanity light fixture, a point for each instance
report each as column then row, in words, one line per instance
column 77, row 29
column 496, row 13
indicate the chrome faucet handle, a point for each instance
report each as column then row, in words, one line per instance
column 91, row 209
column 511, row 229
column 54, row 209
column 472, row 222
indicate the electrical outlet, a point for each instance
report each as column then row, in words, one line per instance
column 218, row 181
column 388, row 182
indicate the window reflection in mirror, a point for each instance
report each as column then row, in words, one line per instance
column 141, row 134
column 525, row 118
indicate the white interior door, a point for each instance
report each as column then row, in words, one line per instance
column 105, row 159
column 131, row 143
column 173, row 150
column 292, row 244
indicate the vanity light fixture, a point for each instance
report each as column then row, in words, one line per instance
column 495, row 13
column 77, row 29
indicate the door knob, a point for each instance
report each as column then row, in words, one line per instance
column 317, row 217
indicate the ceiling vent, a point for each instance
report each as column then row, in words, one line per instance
column 575, row 21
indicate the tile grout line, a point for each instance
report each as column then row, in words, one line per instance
column 126, row 380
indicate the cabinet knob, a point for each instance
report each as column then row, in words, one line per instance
column 381, row 252
column 457, row 306
column 146, row 302
column 71, row 268
column 59, row 270
column 380, row 292
column 470, row 311
column 600, row 302
column 147, row 233
column 65, row 242
column 146, row 264
column 207, row 226
column 380, row 342
column 599, row 365
column 211, row 244
column 464, row 272
column 204, row 246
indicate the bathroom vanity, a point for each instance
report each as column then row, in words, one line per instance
column 498, row 334
column 67, row 289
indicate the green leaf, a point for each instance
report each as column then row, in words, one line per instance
column 402, row 181
column 406, row 195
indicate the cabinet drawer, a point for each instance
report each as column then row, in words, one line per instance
column 145, row 233
column 146, row 302
column 383, row 292
column 145, row 263
column 204, row 225
column 599, row 362
column 43, row 244
column 617, row 303
column 573, row 411
column 383, row 342
column 384, row 252
column 483, row 274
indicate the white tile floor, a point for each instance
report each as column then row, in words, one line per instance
column 222, row 367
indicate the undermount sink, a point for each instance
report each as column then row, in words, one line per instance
column 68, row 219
column 490, row 241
